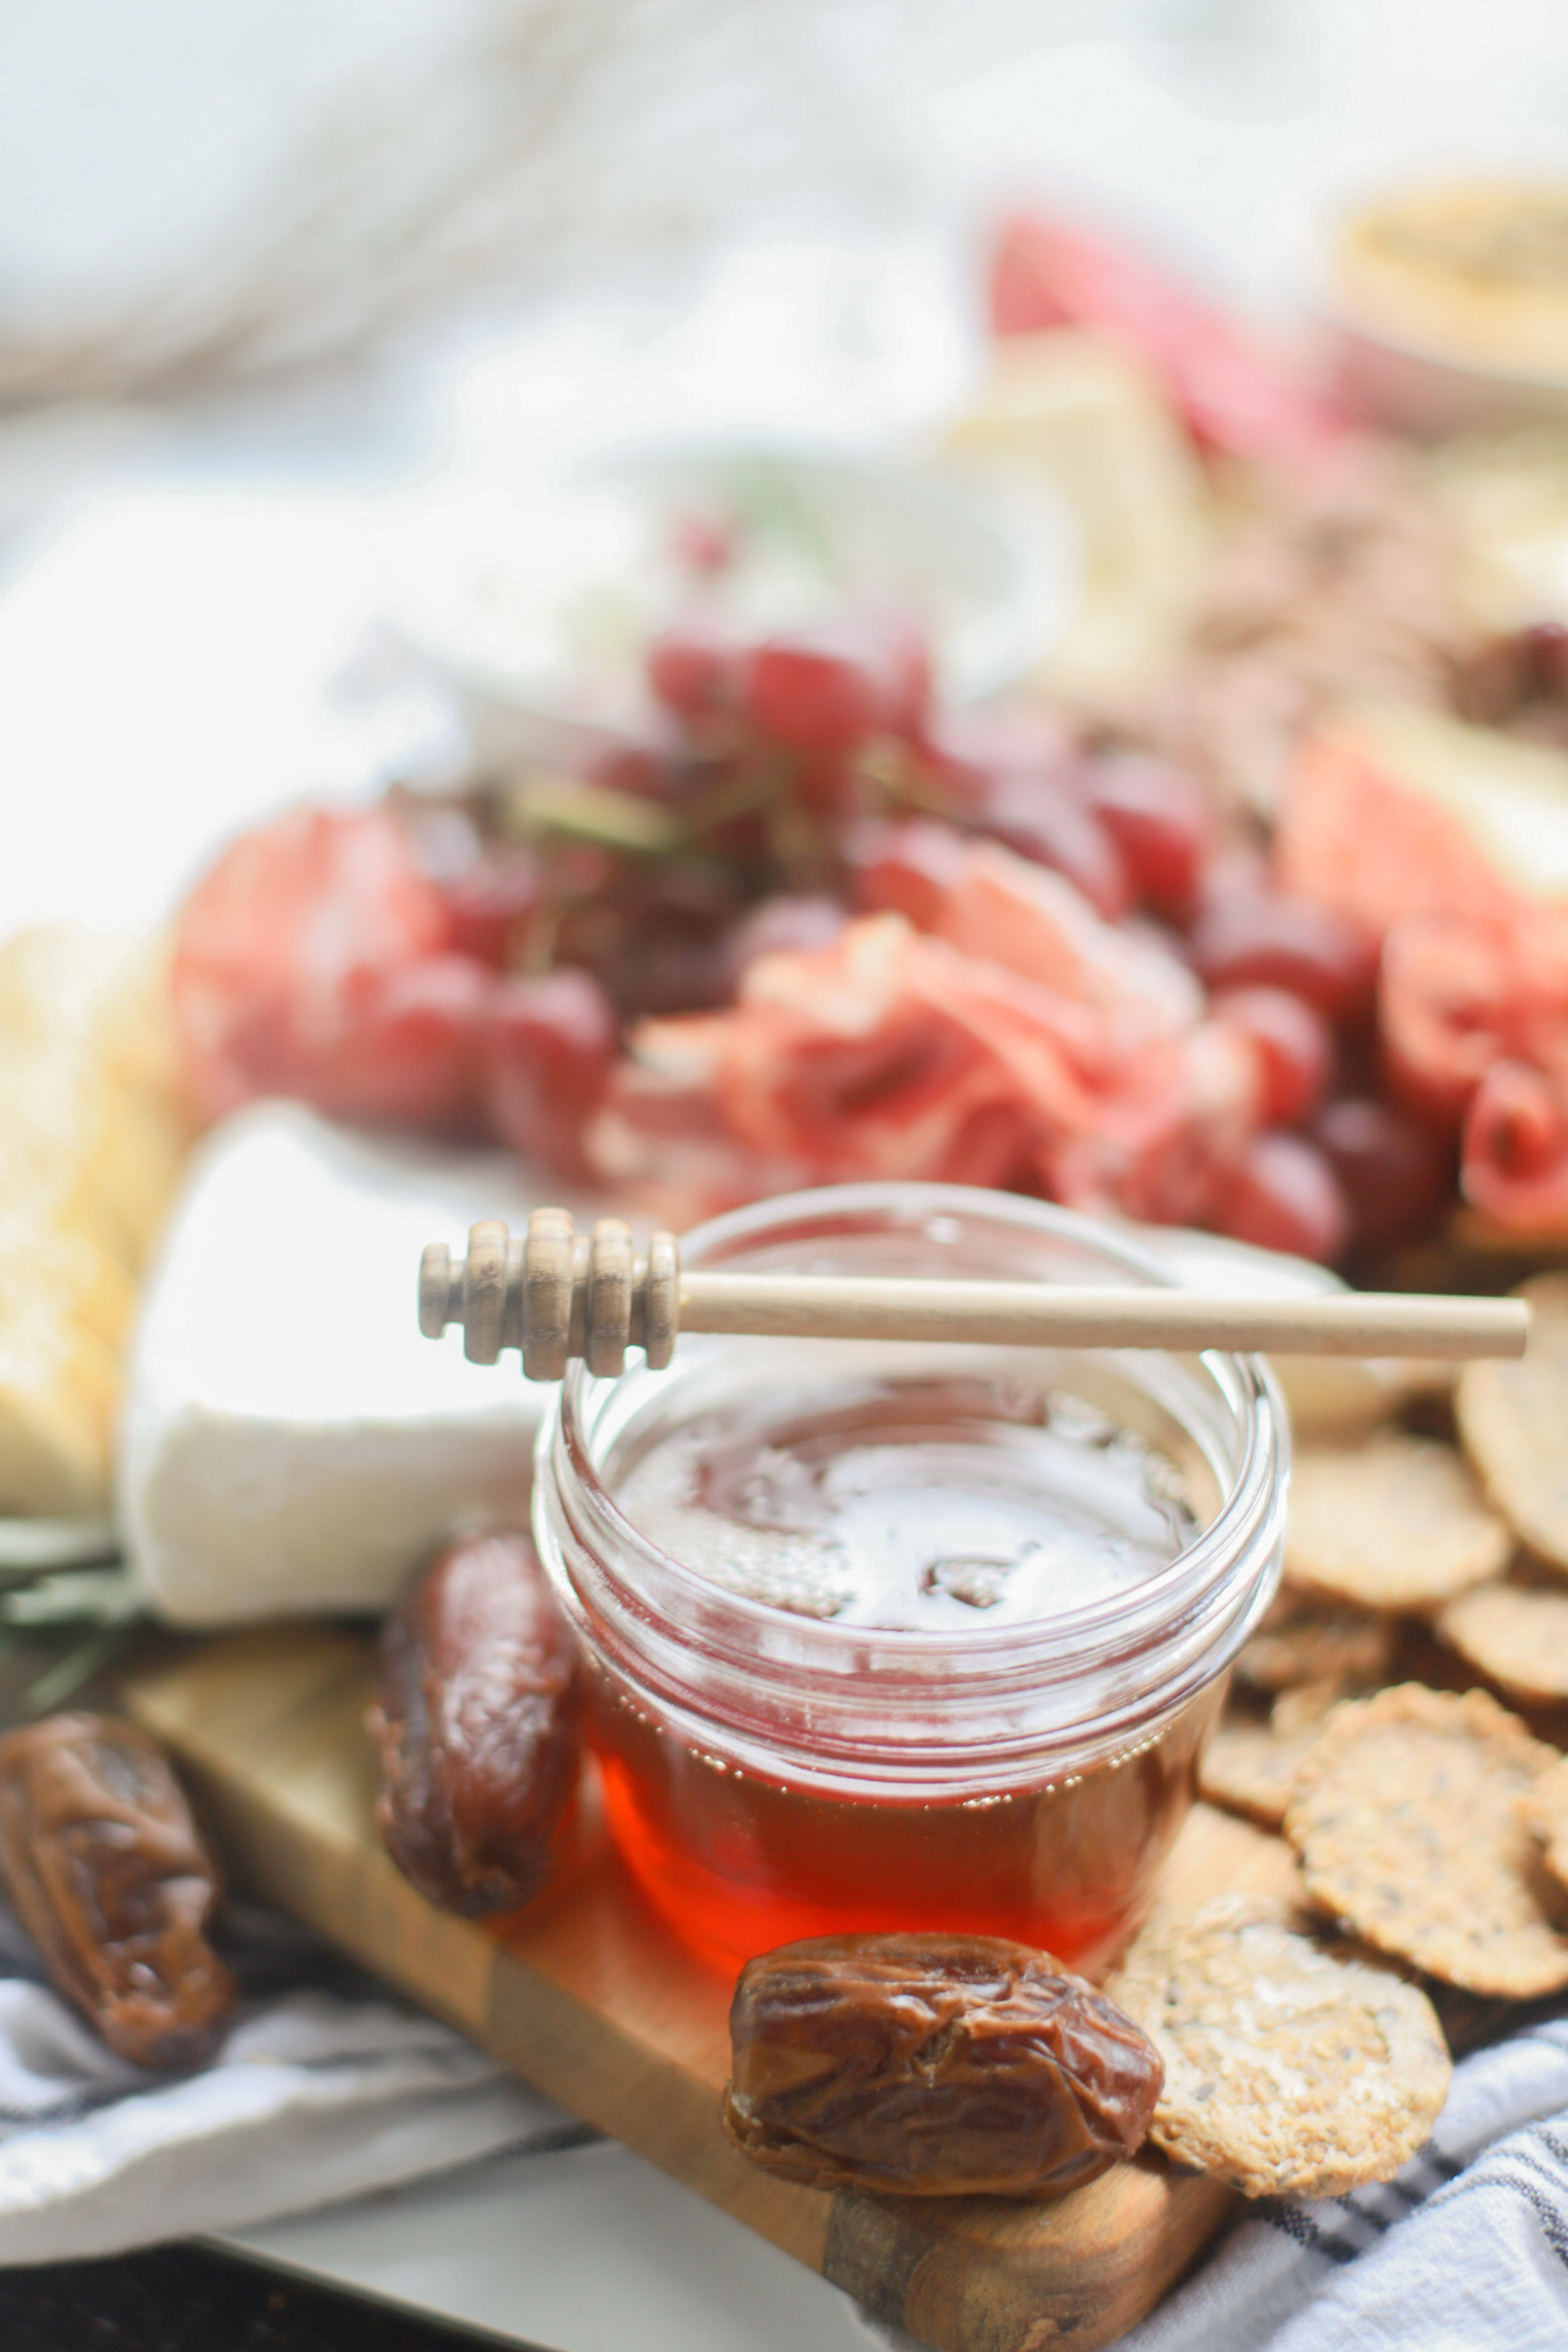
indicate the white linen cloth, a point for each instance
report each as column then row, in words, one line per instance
column 325, row 2089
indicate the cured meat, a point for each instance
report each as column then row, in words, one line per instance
column 1460, row 993
column 1473, row 986
column 1006, row 911
column 316, row 960
column 1233, row 396
column 1356, row 839
column 1017, row 1041
column 1514, row 1153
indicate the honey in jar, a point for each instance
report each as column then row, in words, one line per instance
column 903, row 1637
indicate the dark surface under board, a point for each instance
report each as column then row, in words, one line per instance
column 194, row 2299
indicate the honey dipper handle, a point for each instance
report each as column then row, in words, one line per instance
column 1044, row 1315
column 554, row 1295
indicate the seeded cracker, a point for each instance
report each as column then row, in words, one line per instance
column 1513, row 1418
column 1514, row 1636
column 1398, row 1523
column 1288, row 2072
column 1544, row 1811
column 1406, row 1817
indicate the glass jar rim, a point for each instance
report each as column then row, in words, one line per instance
column 665, row 1610
column 715, row 1240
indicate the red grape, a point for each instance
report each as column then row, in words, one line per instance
column 815, row 690
column 412, row 1054
column 549, row 1052
column 1295, row 1047
column 490, row 906
column 966, row 753
column 1280, row 942
column 906, row 868
column 699, row 893
column 650, row 768
column 1284, row 1195
column 1043, row 823
column 1159, row 822
column 665, row 970
column 898, row 650
column 795, row 925
column 694, row 669
column 1017, row 781
column 1396, row 1172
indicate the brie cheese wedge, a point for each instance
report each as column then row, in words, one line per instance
column 290, row 1444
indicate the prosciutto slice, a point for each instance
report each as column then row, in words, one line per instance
column 1017, row 1041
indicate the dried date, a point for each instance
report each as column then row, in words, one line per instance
column 103, row 1862
column 477, row 1720
column 935, row 2066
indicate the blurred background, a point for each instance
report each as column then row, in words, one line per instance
column 335, row 247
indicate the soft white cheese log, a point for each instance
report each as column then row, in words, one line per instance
column 289, row 1442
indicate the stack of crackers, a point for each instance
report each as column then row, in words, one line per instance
column 1401, row 1718
column 93, row 1133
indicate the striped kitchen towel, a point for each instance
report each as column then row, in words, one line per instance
column 1466, row 2250
column 325, row 2089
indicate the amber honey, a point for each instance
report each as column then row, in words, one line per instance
column 739, row 1864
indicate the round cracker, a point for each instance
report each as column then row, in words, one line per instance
column 1512, row 1417
column 1304, row 1639
column 1406, row 1817
column 1513, row 1635
column 1289, row 2071
column 1543, row 1810
column 1399, row 1523
column 1249, row 1768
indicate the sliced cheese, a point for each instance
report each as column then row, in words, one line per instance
column 1073, row 411
column 290, row 1443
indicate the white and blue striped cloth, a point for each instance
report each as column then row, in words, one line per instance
column 1465, row 2251
column 325, row 2089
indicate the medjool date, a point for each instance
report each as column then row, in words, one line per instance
column 477, row 1718
column 933, row 2066
column 104, row 1865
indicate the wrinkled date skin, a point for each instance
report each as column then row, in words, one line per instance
column 102, row 1860
column 478, row 1721
column 936, row 2066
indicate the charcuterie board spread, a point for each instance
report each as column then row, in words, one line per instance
column 949, row 1776
column 591, row 1999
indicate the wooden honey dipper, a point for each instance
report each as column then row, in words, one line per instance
column 557, row 1295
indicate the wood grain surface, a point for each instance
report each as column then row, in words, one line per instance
column 589, row 1998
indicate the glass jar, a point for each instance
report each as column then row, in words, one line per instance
column 769, row 1776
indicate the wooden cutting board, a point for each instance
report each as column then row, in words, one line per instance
column 589, row 1998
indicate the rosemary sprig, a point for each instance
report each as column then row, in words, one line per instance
column 66, row 1677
